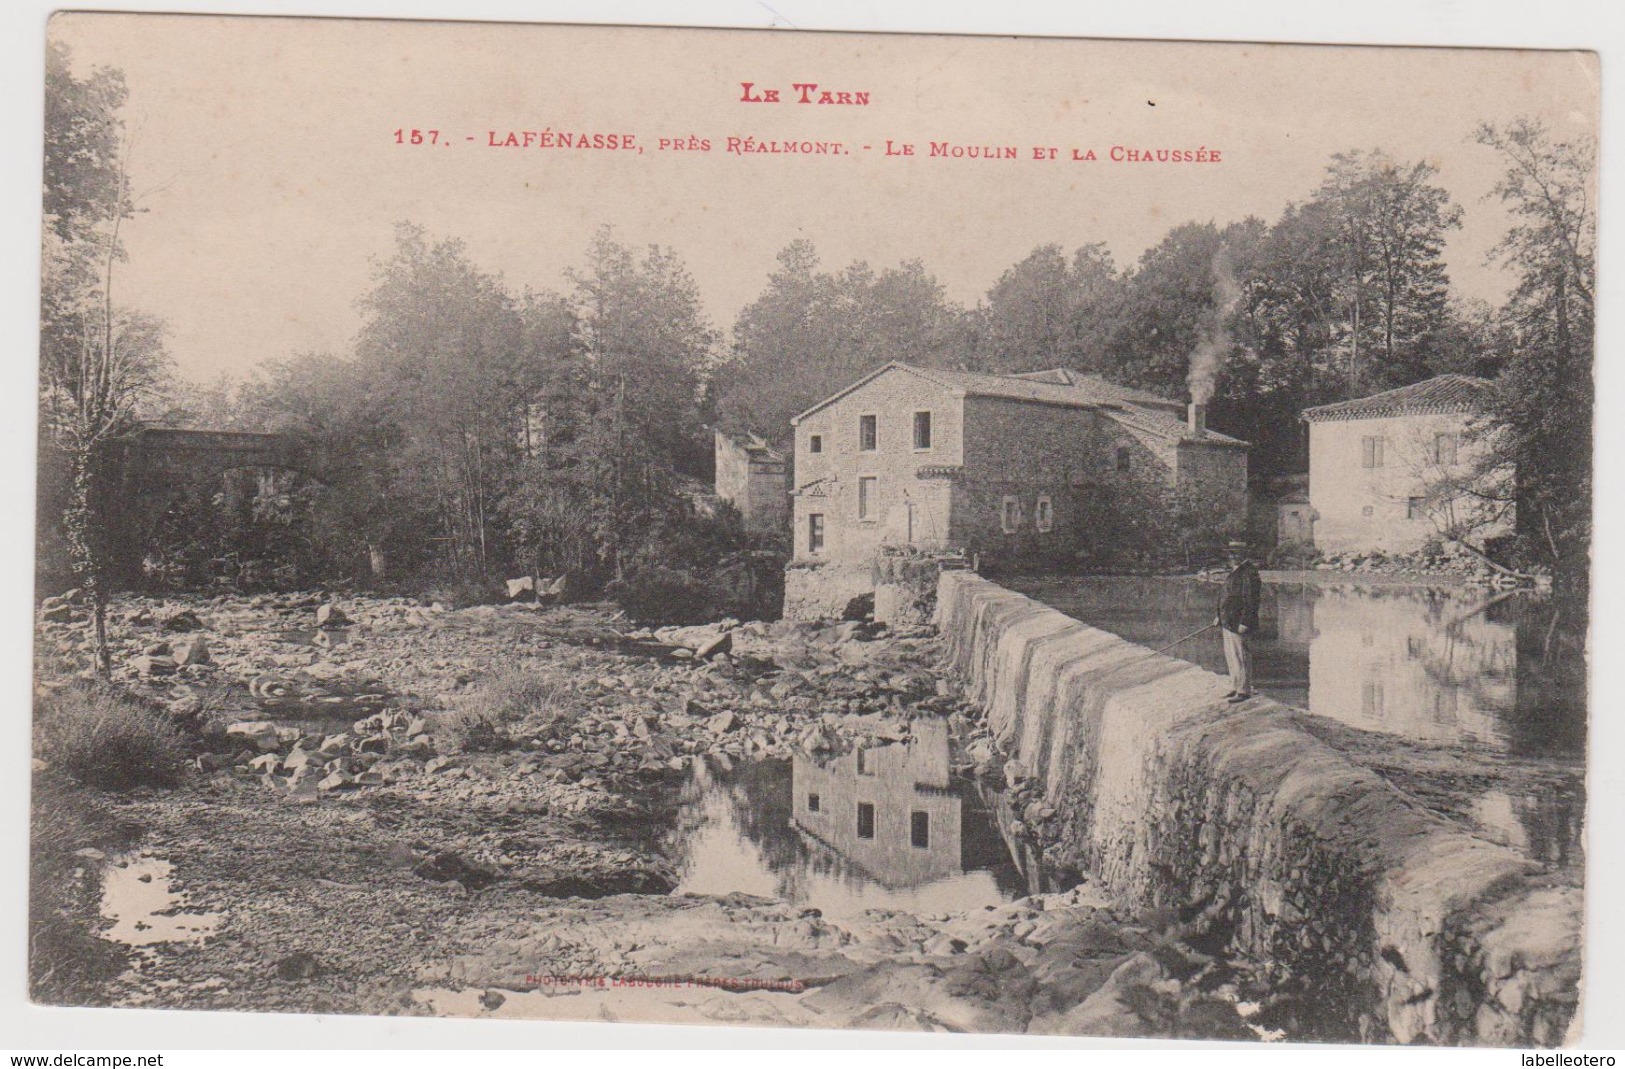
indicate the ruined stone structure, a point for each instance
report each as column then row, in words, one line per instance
column 1409, row 926
column 1398, row 469
column 156, row 463
column 1000, row 467
column 750, row 475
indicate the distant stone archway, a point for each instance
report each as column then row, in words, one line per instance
column 158, row 464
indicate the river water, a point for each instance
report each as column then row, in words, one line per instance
column 1492, row 675
column 1452, row 671
column 882, row 827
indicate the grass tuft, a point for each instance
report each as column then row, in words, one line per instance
column 101, row 739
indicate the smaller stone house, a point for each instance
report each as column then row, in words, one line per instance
column 750, row 475
column 1399, row 469
column 1007, row 469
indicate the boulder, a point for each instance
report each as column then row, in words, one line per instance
column 154, row 666
column 723, row 643
column 300, row 965
column 448, row 866
column 59, row 613
column 723, row 722
column 262, row 734
column 194, row 651
column 525, row 584
column 335, row 780
column 185, row 620
column 330, row 615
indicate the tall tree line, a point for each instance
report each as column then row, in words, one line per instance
column 475, row 428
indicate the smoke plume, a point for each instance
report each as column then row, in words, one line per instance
column 1215, row 338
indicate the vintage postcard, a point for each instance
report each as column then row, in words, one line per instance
column 822, row 530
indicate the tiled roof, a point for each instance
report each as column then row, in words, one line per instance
column 1442, row 393
column 1094, row 384
column 1059, row 386
column 755, row 445
column 1163, row 425
column 1078, row 391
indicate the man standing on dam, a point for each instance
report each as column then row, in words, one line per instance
column 1238, row 619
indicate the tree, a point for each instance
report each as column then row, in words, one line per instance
column 1047, row 312
column 811, row 333
column 1544, row 398
column 99, row 362
column 646, row 345
column 1389, row 223
column 1180, row 302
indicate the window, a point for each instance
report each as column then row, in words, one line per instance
column 1444, row 448
column 1044, row 514
column 1122, row 458
column 815, row 532
column 1371, row 703
column 919, row 829
column 813, row 803
column 1010, row 515
column 922, row 430
column 865, row 766
column 866, row 820
column 866, row 496
column 1414, row 508
column 815, row 443
column 868, row 434
column 1371, row 451
column 1368, row 511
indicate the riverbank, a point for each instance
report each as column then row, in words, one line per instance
column 398, row 809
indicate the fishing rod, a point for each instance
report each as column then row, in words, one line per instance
column 1187, row 638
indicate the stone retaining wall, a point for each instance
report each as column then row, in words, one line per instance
column 1173, row 799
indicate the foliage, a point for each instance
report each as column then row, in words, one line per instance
column 511, row 699
column 694, row 568
column 1046, row 312
column 98, row 361
column 104, row 740
column 1543, row 399
column 810, row 333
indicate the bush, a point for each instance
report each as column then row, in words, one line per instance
column 104, row 740
column 68, row 964
column 483, row 720
column 463, row 593
column 655, row 592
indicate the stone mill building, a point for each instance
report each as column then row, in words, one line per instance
column 1001, row 467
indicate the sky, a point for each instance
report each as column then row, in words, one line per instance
column 265, row 154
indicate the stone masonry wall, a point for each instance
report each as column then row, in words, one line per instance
column 893, row 398
column 822, row 591
column 1173, row 799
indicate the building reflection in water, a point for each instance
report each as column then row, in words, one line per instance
column 883, row 826
column 889, row 811
column 1446, row 666
column 1428, row 665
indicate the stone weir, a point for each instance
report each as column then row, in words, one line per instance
column 1404, row 924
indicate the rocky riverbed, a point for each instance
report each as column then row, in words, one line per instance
column 395, row 808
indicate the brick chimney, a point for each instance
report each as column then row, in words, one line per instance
column 1197, row 420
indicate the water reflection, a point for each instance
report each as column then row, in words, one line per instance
column 881, row 827
column 1496, row 674
column 1443, row 665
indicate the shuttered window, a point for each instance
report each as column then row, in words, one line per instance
column 1371, row 451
